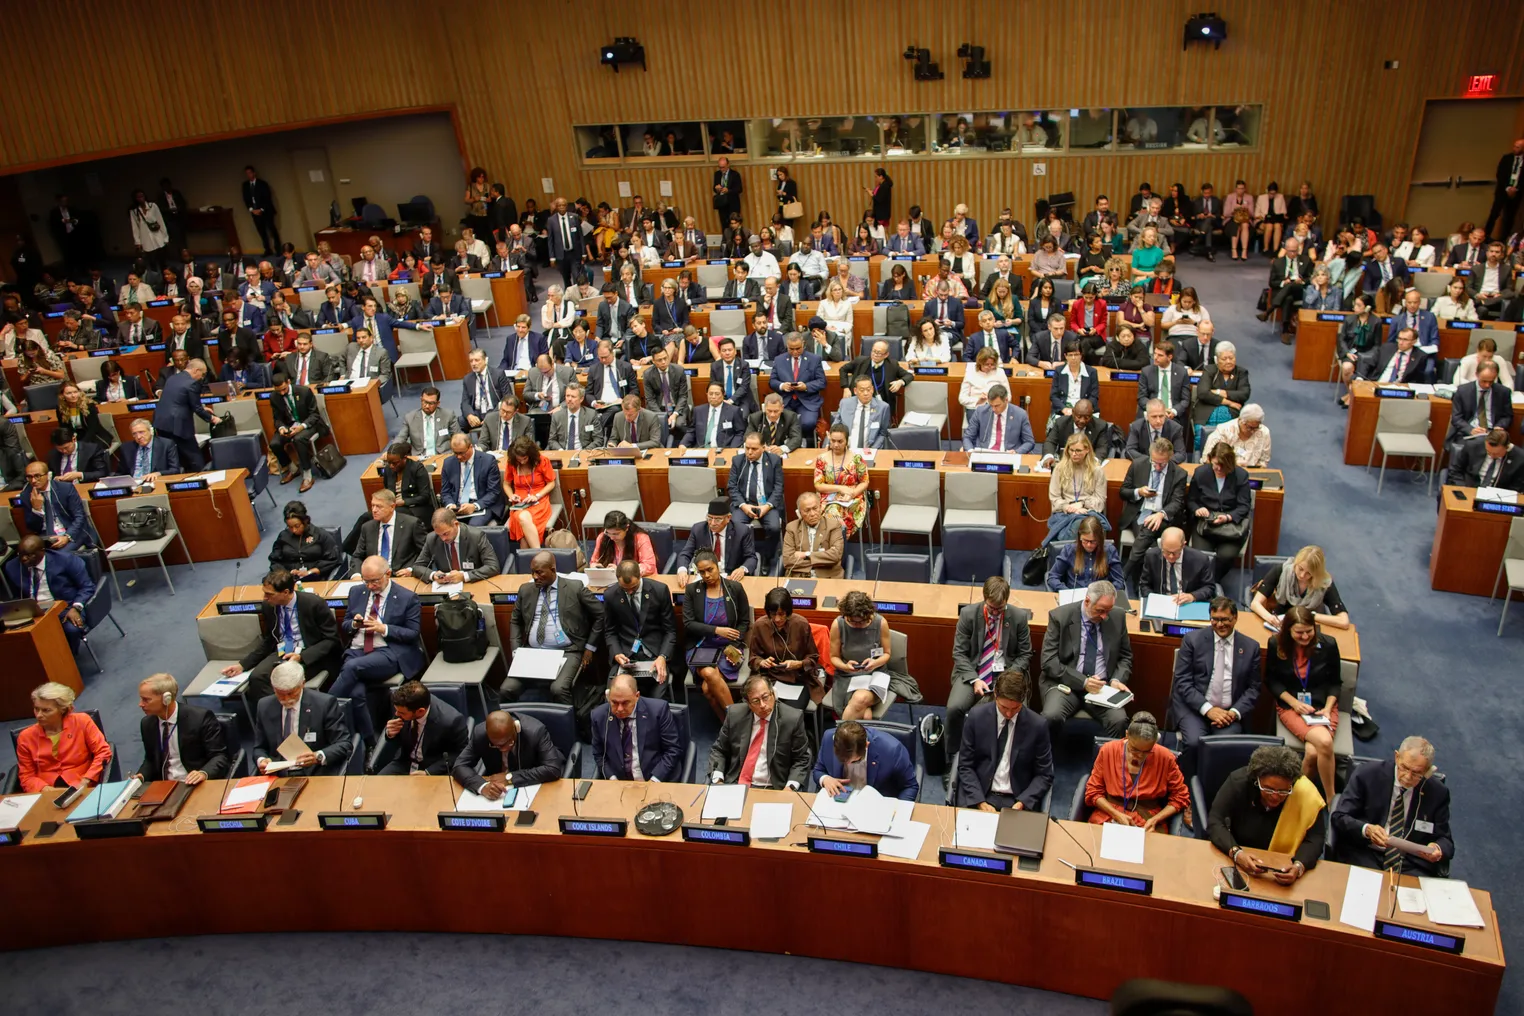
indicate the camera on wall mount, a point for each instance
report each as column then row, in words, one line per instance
column 977, row 66
column 925, row 70
column 1206, row 28
column 623, row 50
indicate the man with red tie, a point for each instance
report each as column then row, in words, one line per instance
column 381, row 630
column 799, row 377
column 760, row 745
column 453, row 552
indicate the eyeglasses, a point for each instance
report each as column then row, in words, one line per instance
column 1270, row 792
column 762, row 699
column 1409, row 770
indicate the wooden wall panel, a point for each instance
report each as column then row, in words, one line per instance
column 518, row 76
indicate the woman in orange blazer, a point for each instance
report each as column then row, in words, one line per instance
column 64, row 748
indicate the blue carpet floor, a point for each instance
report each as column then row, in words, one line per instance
column 1431, row 666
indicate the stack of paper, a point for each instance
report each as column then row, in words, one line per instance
column 771, row 821
column 826, row 812
column 976, row 830
column 1497, row 494
column 1164, row 607
column 245, row 798
column 1449, row 901
column 14, row 809
column 727, row 801
column 536, row 664
column 868, row 811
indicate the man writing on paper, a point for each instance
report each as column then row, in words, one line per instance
column 507, row 751
column 760, row 745
column 1398, row 798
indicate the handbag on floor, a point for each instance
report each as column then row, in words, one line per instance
column 328, row 461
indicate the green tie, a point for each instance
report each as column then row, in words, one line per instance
column 1164, row 386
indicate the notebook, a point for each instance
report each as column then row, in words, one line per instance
column 1024, row 833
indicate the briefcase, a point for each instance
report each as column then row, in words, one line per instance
column 329, row 461
column 225, row 427
column 145, row 522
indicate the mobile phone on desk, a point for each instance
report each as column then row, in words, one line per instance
column 580, row 792
column 46, row 829
column 1234, row 878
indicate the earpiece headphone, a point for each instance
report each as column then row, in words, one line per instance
column 168, row 697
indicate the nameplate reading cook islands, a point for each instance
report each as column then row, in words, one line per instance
column 1283, row 910
column 573, row 826
column 802, row 602
column 254, row 823
column 473, row 821
column 975, row 860
column 1099, row 878
column 1424, row 938
column 106, row 493
column 729, row 836
column 352, row 819
column 250, row 607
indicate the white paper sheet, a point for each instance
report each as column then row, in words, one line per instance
column 878, row 681
column 1159, row 605
column 1070, row 596
column 1449, row 902
column 1362, row 896
column 243, row 795
column 536, row 664
column 475, row 802
column 771, row 821
column 915, row 420
column 1497, row 494
column 868, row 811
column 225, row 687
column 902, row 812
column 213, row 476
column 14, row 809
column 726, row 801
column 1411, row 901
column 788, row 692
column 447, row 587
column 1122, row 843
column 907, row 846
column 976, row 830
column 824, row 811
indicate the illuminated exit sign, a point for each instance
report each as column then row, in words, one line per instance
column 1481, row 84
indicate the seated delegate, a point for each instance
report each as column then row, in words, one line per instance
column 1216, row 682
column 1303, row 581
column 1136, row 780
column 1268, row 805
column 634, row 737
column 1085, row 650
column 1090, row 557
column 424, row 735
column 760, row 745
column 1398, row 797
column 855, row 756
column 1302, row 672
column 1005, row 758
column 507, row 751
column 991, row 637
column 64, row 748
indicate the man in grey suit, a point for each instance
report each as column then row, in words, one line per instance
column 991, row 638
column 782, row 760
column 668, row 392
column 557, row 613
column 613, row 321
column 309, row 367
column 364, row 359
column 399, row 536
column 312, row 716
column 429, row 427
column 574, row 425
column 1217, row 679
column 454, row 553
column 505, row 426
column 635, row 427
column 1085, row 650
column 866, row 418
column 545, row 386
column 369, row 269
column 316, row 273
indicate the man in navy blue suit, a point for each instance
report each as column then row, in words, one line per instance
column 1413, row 315
column 799, row 377
column 1383, row 268
column 737, row 552
column 905, row 242
column 998, row 426
column 1006, row 342
column 756, row 491
column 563, row 230
column 715, row 424
column 471, row 484
column 1401, row 797
column 369, row 316
column 179, row 404
column 147, row 456
column 732, row 374
column 635, row 738
column 52, row 576
column 1006, row 759
column 523, row 347
column 446, row 304
column 381, row 634
column 858, row 756
column 1217, row 679
column 54, row 511
column 481, row 390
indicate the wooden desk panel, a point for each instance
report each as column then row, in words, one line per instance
column 34, row 654
column 649, row 889
column 1361, row 426
column 1468, row 545
column 357, row 420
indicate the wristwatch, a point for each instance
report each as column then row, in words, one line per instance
column 1233, row 854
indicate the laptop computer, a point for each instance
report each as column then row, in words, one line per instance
column 16, row 613
column 1023, row 833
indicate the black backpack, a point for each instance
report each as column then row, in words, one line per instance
column 461, row 628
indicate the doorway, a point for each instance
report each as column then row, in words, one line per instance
column 314, row 186
column 1458, row 150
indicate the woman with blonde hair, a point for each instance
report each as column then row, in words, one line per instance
column 1118, row 284
column 1304, row 581
column 960, row 261
column 1076, row 490
column 63, row 748
column 836, row 310
column 1002, row 304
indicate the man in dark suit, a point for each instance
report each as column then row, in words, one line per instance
column 756, row 493
column 575, row 426
column 635, row 738
column 1154, row 425
column 382, row 638
column 1382, row 268
column 1153, row 500
column 389, row 534
column 1005, row 759
column 1289, row 275
column 53, row 510
column 481, row 390
column 992, row 637
column 12, row 458
column 147, row 456
column 609, row 381
column 727, row 188
column 1006, row 342
column 424, row 736
column 1470, row 253
column 1505, row 195
column 35, row 568
column 1085, row 650
column 1394, row 363
column 261, row 205
column 776, row 311
column 180, row 742
column 1081, row 420
column 1490, row 462
column 760, row 745
column 715, row 424
column 522, row 348
column 733, row 376
column 1399, row 797
column 179, row 403
column 668, row 393
column 471, row 484
column 738, row 551
column 640, row 629
column 1217, row 679
column 135, row 329
column 904, row 241
column 437, row 279
column 778, row 427
column 613, row 321
column 1167, row 381
column 446, row 303
column 1184, row 574
column 409, row 480
column 504, row 426
column 545, row 386
column 309, row 367
column 74, row 461
column 888, row 377
column 557, row 613
column 563, row 231
column 453, row 553
column 1477, row 407
column 1046, row 350
column 1412, row 314
column 1207, row 221
column 764, row 341
column 1197, row 353
column 513, row 751
column 800, row 378
column 298, row 428
column 294, row 626
column 998, row 426
column 315, row 718
column 740, row 286
column 184, row 335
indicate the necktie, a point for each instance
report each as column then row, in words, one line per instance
column 719, row 549
column 632, row 432
column 137, row 333
column 1089, row 636
column 1153, row 435
column 666, row 391
column 566, row 230
column 997, row 443
column 36, row 581
column 417, row 753
column 753, row 753
column 1219, row 695
column 571, row 427
column 370, row 612
column 454, row 555
column 1171, row 578
column 544, row 615
column 627, row 746
column 68, row 466
column 301, row 377
column 862, row 425
column 364, row 369
column 1003, row 742
column 986, row 670
column 1489, row 472
column 711, row 439
column 795, row 362
column 288, row 722
column 385, row 550
column 1398, row 365
column 288, row 629
column 1483, row 398
column 1396, row 819
column 164, row 731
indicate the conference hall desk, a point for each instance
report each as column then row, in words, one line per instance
column 929, row 627
column 1361, row 426
column 134, row 361
column 162, row 309
column 637, row 888
column 1317, row 339
column 1468, row 544
column 347, row 241
column 879, row 267
column 355, row 416
column 216, row 519
column 33, row 654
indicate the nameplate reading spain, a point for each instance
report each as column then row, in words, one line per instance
column 593, row 826
column 1245, row 903
column 1003, row 468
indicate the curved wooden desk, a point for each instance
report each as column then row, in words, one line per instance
column 1038, row 928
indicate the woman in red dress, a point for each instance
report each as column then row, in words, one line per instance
column 528, row 479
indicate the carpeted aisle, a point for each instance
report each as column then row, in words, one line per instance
column 1431, row 666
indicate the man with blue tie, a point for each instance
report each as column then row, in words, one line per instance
column 756, row 492
column 946, row 312
column 179, row 405
column 1085, row 650
column 715, row 425
column 147, row 456
column 471, row 484
column 1414, row 316
column 905, row 242
column 522, row 348
column 556, row 613
column 481, row 390
column 381, row 633
column 866, row 418
column 635, row 738
column 799, row 377
column 732, row 374
column 1217, row 679
column 998, row 426
column 448, row 304
column 382, row 325
column 52, row 576
column 53, row 510
column 608, row 382
column 295, row 626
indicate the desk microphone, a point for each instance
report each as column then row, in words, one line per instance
column 811, row 809
column 1077, row 843
column 237, row 564
column 227, row 785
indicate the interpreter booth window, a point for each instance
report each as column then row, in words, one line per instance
column 1154, row 127
column 727, row 137
column 663, row 140
column 1236, row 126
column 598, row 143
column 1092, row 128
column 904, row 133
column 771, row 139
column 838, row 137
